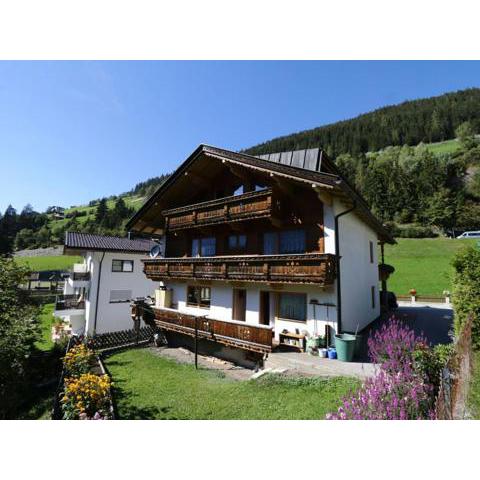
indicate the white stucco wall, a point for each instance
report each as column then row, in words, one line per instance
column 114, row 316
column 358, row 275
column 222, row 305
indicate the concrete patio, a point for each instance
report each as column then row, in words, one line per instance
column 306, row 364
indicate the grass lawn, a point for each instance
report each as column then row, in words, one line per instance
column 60, row 262
column 151, row 387
column 423, row 264
column 46, row 321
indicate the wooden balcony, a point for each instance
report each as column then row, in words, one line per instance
column 248, row 206
column 318, row 269
column 256, row 338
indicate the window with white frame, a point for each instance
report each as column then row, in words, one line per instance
column 122, row 266
column 120, row 296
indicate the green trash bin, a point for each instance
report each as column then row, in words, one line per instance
column 345, row 346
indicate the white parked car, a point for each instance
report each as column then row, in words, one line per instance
column 469, row 235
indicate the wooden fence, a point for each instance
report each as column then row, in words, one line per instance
column 455, row 378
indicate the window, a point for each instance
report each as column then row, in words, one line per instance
column 292, row 306
column 372, row 290
column 120, row 296
column 237, row 242
column 290, row 241
column 203, row 247
column 371, row 251
column 122, row 265
column 270, row 243
column 198, row 297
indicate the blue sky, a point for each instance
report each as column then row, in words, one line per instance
column 74, row 131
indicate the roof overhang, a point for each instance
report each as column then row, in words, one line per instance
column 333, row 183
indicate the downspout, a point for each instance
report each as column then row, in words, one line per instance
column 98, row 294
column 337, row 253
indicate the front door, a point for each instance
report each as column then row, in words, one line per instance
column 264, row 308
column 239, row 304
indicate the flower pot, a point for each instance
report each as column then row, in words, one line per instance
column 345, row 346
column 323, row 352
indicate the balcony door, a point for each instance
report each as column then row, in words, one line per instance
column 239, row 304
column 264, row 312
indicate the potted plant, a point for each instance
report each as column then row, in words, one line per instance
column 413, row 294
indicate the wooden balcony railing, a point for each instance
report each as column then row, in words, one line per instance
column 319, row 269
column 257, row 338
column 229, row 209
column 69, row 302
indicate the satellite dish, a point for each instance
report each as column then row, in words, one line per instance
column 155, row 251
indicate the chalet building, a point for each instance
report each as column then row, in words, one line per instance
column 97, row 292
column 280, row 243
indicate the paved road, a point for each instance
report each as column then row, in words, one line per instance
column 434, row 322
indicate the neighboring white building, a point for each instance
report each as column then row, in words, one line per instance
column 281, row 240
column 97, row 293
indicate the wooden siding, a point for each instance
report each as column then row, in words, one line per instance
column 319, row 269
column 248, row 206
column 235, row 334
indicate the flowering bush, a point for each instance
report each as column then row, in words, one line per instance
column 388, row 397
column 392, row 346
column 86, row 397
column 78, row 360
column 403, row 388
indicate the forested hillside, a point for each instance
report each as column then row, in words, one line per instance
column 419, row 191
column 410, row 123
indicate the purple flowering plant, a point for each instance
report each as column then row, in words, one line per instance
column 398, row 391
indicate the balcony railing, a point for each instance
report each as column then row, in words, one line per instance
column 257, row 338
column 69, row 302
column 319, row 269
column 80, row 276
column 248, row 206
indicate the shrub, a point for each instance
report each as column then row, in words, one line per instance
column 398, row 396
column 19, row 329
column 428, row 362
column 466, row 291
column 86, row 397
column 392, row 346
column 415, row 232
column 404, row 388
column 78, row 360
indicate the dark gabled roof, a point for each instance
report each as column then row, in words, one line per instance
column 331, row 178
column 89, row 242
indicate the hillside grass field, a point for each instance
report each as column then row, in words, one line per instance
column 423, row 264
column 58, row 262
column 448, row 146
column 131, row 201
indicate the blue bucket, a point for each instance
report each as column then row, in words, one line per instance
column 332, row 353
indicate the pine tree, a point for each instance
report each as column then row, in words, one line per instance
column 101, row 212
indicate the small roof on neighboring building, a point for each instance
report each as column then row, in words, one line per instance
column 89, row 242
